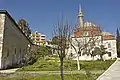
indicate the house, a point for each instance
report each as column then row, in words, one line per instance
column 38, row 38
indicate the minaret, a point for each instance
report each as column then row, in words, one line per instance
column 80, row 17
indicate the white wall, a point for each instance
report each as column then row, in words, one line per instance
column 82, row 41
column 2, row 20
column 98, row 42
column 111, row 47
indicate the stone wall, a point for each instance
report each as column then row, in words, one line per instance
column 15, row 44
column 2, row 19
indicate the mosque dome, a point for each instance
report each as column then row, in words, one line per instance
column 89, row 24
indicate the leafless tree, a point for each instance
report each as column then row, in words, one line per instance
column 62, row 32
column 84, row 44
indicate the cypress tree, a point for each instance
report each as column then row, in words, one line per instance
column 118, row 43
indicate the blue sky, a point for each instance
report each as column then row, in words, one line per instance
column 42, row 15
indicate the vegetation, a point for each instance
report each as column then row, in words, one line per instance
column 57, row 77
column 24, row 26
column 41, row 52
column 100, row 51
column 44, row 51
column 53, row 65
column 118, row 42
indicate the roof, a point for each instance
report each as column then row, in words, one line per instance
column 6, row 13
column 106, row 33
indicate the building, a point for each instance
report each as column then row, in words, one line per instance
column 91, row 35
column 38, row 38
column 14, row 42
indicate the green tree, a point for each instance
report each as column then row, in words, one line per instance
column 118, row 43
column 23, row 24
column 96, row 51
column 103, row 51
column 54, row 40
column 44, row 51
column 100, row 51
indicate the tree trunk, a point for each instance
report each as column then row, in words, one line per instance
column 101, row 57
column 61, row 69
column 92, row 57
column 78, row 64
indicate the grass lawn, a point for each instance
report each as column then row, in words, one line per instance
column 57, row 77
column 53, row 65
column 69, row 65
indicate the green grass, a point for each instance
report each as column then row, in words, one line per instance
column 96, row 65
column 57, row 77
column 53, row 65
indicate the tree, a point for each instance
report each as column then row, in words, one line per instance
column 43, row 51
column 54, row 40
column 37, row 52
column 23, row 24
column 100, row 51
column 62, row 34
column 118, row 43
column 95, row 52
column 78, row 46
column 83, row 45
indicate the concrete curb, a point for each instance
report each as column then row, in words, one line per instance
column 106, row 71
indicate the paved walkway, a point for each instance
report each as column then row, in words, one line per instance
column 58, row 72
column 112, row 73
column 9, row 70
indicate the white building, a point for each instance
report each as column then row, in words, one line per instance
column 91, row 34
column 38, row 38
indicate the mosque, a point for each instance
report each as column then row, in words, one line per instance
column 90, row 35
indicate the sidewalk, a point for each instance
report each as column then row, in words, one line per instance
column 112, row 73
column 9, row 70
column 58, row 72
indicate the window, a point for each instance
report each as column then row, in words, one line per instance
column 15, row 51
column 23, row 50
column 85, row 34
column 109, row 45
column 7, row 52
column 0, row 48
column 109, row 54
column 20, row 50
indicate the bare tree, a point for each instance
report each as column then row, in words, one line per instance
column 84, row 44
column 80, row 45
column 62, row 33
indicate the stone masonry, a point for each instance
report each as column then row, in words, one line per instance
column 14, row 44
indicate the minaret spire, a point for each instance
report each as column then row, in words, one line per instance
column 80, row 17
